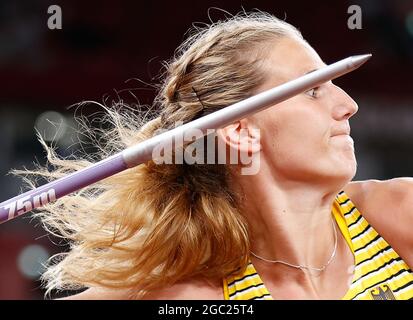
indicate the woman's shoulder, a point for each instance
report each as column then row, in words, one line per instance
column 184, row 290
column 374, row 194
column 359, row 191
column 388, row 206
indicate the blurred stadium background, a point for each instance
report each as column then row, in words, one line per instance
column 104, row 46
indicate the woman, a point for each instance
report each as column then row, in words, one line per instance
column 183, row 231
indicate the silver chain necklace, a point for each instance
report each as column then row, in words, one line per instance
column 309, row 268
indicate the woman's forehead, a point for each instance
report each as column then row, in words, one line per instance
column 290, row 58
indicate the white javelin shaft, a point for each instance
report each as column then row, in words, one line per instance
column 143, row 151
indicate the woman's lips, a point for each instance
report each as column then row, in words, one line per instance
column 344, row 137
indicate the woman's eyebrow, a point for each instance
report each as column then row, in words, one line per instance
column 311, row 71
column 314, row 69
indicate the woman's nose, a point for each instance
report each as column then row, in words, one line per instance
column 345, row 107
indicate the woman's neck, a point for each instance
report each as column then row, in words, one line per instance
column 291, row 222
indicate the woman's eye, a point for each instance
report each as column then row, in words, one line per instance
column 313, row 92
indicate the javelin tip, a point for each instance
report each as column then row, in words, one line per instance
column 358, row 60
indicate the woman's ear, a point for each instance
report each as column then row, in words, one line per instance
column 241, row 136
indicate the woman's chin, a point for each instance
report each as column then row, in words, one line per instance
column 346, row 169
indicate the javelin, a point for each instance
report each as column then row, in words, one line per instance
column 142, row 152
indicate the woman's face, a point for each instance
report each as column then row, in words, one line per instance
column 306, row 138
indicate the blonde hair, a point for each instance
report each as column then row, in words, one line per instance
column 154, row 225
